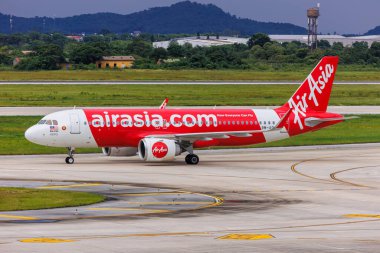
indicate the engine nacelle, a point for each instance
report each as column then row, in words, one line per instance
column 125, row 151
column 158, row 150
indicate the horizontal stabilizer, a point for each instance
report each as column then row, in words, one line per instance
column 313, row 121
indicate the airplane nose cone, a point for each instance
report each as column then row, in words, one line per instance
column 31, row 134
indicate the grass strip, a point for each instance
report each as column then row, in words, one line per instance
column 344, row 74
column 17, row 199
column 179, row 95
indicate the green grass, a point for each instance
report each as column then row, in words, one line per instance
column 362, row 130
column 15, row 199
column 179, row 95
column 345, row 74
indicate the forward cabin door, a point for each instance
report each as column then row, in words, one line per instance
column 74, row 123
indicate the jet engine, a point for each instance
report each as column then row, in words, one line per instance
column 125, row 151
column 158, row 150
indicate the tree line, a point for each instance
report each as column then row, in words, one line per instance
column 47, row 51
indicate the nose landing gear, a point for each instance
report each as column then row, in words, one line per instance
column 70, row 158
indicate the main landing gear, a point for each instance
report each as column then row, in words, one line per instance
column 192, row 159
column 70, row 158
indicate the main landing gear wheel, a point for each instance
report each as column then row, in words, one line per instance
column 192, row 159
column 70, row 158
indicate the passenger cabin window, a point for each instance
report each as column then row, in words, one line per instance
column 55, row 123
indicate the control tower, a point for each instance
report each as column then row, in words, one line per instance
column 312, row 21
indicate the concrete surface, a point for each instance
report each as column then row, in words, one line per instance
column 38, row 111
column 314, row 199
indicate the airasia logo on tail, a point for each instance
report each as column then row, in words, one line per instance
column 299, row 104
column 159, row 150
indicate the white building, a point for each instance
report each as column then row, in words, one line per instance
column 213, row 41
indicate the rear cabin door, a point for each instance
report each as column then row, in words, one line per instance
column 74, row 123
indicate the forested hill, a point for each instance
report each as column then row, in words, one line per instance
column 184, row 17
column 374, row 31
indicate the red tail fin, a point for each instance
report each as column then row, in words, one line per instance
column 314, row 93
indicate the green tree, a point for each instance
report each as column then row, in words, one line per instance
column 5, row 59
column 258, row 39
column 140, row 47
column 159, row 53
column 273, row 49
column 258, row 52
column 324, row 44
column 375, row 49
column 175, row 50
column 119, row 47
column 337, row 47
column 85, row 54
column 47, row 57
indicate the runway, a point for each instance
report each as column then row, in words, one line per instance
column 300, row 199
column 38, row 111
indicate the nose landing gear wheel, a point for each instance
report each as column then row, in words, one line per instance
column 69, row 160
column 192, row 159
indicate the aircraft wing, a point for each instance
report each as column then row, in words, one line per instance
column 206, row 136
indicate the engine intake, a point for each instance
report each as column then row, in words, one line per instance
column 158, row 150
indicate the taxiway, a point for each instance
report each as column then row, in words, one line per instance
column 306, row 199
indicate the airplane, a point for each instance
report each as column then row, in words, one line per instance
column 159, row 135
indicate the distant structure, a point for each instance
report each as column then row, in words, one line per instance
column 43, row 25
column 11, row 23
column 202, row 41
column 78, row 38
column 312, row 21
column 115, row 62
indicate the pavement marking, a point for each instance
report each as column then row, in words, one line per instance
column 246, row 237
column 172, row 203
column 126, row 209
column 333, row 176
column 45, row 240
column 68, row 186
column 375, row 216
column 293, row 168
column 217, row 201
column 150, row 194
column 9, row 216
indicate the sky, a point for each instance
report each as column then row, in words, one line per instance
column 341, row 16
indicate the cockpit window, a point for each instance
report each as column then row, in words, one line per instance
column 48, row 122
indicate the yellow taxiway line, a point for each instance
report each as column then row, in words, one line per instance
column 246, row 237
column 375, row 216
column 9, row 216
column 68, row 186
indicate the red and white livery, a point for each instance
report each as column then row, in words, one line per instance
column 161, row 134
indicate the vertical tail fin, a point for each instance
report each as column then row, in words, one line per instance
column 314, row 93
